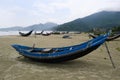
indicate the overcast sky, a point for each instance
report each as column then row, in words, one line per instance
column 28, row 12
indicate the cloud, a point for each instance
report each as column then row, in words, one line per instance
column 15, row 16
column 6, row 17
column 27, row 12
column 72, row 9
column 81, row 8
column 49, row 8
column 53, row 11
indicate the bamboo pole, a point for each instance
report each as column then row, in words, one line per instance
column 109, row 55
column 33, row 46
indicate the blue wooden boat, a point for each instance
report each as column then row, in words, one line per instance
column 54, row 55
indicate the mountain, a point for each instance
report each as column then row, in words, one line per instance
column 76, row 25
column 103, row 19
column 37, row 27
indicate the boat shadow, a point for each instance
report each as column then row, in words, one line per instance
column 76, row 64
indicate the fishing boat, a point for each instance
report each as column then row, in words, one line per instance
column 61, row 54
column 109, row 38
column 26, row 34
column 38, row 33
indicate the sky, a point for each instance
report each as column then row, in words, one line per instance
column 29, row 12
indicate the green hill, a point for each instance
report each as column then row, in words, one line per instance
column 103, row 19
column 76, row 25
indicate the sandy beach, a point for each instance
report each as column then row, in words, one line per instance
column 94, row 66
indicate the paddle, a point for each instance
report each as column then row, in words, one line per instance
column 109, row 55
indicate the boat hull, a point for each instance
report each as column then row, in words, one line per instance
column 69, row 57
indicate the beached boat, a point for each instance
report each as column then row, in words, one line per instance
column 38, row 33
column 42, row 33
column 26, row 34
column 109, row 38
column 62, row 54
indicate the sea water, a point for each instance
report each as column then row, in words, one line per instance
column 6, row 33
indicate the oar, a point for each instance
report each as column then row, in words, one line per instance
column 109, row 55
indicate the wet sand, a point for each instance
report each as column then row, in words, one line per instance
column 94, row 66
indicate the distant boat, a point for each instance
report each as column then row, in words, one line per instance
column 56, row 32
column 45, row 33
column 36, row 33
column 26, row 34
column 54, row 55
